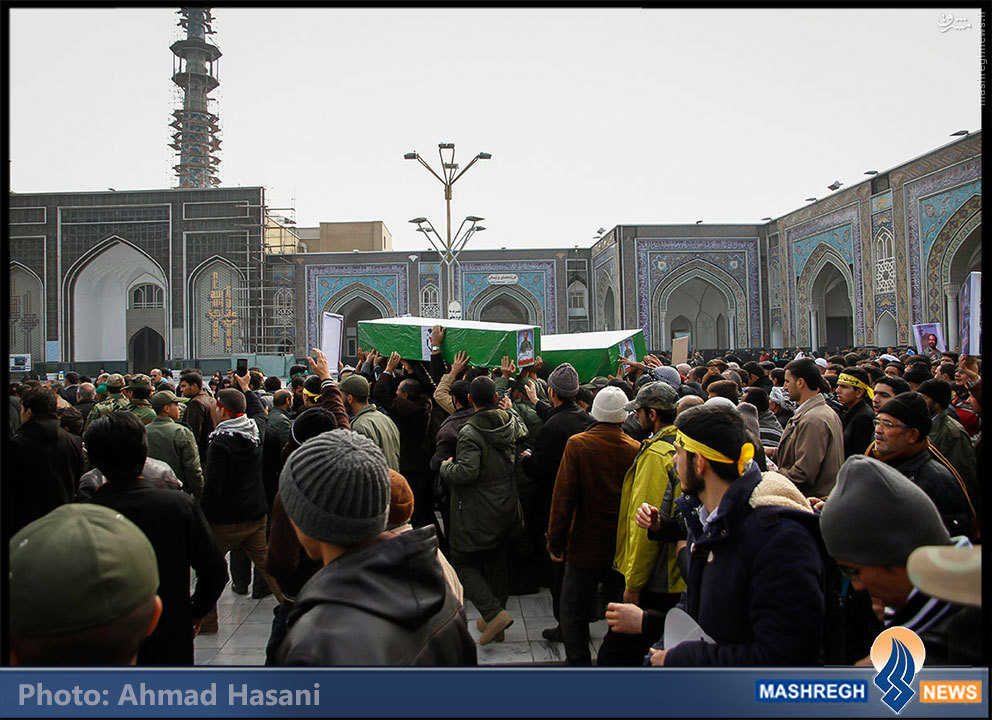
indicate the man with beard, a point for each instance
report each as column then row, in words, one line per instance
column 755, row 575
column 811, row 450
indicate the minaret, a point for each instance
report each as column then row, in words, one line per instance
column 195, row 70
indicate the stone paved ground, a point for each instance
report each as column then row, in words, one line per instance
column 245, row 625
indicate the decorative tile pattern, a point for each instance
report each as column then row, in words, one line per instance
column 949, row 240
column 885, row 303
column 662, row 262
column 388, row 281
column 882, row 201
column 841, row 231
column 774, row 278
column 536, row 277
column 923, row 192
column 604, row 277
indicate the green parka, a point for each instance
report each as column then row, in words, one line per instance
column 484, row 503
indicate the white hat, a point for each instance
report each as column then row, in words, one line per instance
column 821, row 362
column 720, row 400
column 608, row 405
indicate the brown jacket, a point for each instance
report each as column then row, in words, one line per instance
column 198, row 417
column 586, row 499
column 812, row 448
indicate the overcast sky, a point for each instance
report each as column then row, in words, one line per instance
column 594, row 117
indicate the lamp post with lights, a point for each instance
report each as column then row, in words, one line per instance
column 451, row 244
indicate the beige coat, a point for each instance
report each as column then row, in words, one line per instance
column 812, row 448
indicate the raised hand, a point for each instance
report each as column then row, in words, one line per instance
column 437, row 335
column 460, row 363
column 318, row 364
column 507, row 367
column 394, row 360
column 530, row 389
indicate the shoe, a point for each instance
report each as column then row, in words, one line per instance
column 257, row 593
column 239, row 589
column 553, row 634
column 481, row 624
column 494, row 627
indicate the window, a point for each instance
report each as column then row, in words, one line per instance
column 577, row 299
column 147, row 297
column 430, row 302
column 885, row 264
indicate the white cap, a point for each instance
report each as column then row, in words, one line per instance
column 821, row 362
column 608, row 405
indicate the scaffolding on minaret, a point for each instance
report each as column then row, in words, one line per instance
column 195, row 69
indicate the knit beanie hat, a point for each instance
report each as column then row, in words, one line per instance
column 336, row 488
column 877, row 516
column 669, row 375
column 937, row 390
column 911, row 409
column 916, row 374
column 311, row 423
column 608, row 405
column 564, row 381
column 400, row 501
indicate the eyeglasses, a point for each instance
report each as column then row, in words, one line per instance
column 889, row 425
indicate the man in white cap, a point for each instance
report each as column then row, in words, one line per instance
column 584, row 511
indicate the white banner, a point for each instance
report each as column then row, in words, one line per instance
column 331, row 336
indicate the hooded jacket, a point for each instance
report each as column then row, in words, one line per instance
column 484, row 503
column 644, row 563
column 384, row 604
column 755, row 580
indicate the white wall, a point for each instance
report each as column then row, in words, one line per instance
column 100, row 302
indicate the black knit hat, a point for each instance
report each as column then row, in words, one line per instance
column 336, row 488
column 911, row 409
column 916, row 374
column 937, row 390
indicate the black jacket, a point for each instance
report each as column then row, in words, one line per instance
column 232, row 481
column 385, row 604
column 177, row 530
column 412, row 418
column 859, row 429
column 940, row 485
column 541, row 466
column 41, row 472
column 447, row 436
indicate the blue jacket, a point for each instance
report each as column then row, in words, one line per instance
column 755, row 580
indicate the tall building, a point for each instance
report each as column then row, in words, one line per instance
column 195, row 70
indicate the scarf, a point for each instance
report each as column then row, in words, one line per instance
column 241, row 426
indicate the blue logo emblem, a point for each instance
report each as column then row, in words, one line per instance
column 897, row 655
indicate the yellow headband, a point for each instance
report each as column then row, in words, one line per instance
column 310, row 394
column 690, row 445
column 854, row 382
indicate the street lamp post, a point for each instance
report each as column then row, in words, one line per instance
column 452, row 244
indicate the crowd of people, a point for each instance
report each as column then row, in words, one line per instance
column 784, row 508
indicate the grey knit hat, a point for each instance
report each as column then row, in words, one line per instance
column 564, row 381
column 878, row 516
column 669, row 375
column 335, row 487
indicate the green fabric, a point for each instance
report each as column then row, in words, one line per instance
column 953, row 442
column 486, row 345
column 484, row 503
column 644, row 563
column 380, row 429
column 115, row 402
column 281, row 423
column 174, row 444
column 591, row 361
column 143, row 409
column 534, row 424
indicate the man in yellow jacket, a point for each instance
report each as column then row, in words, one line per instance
column 648, row 560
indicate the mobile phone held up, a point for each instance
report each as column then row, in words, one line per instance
column 242, row 369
